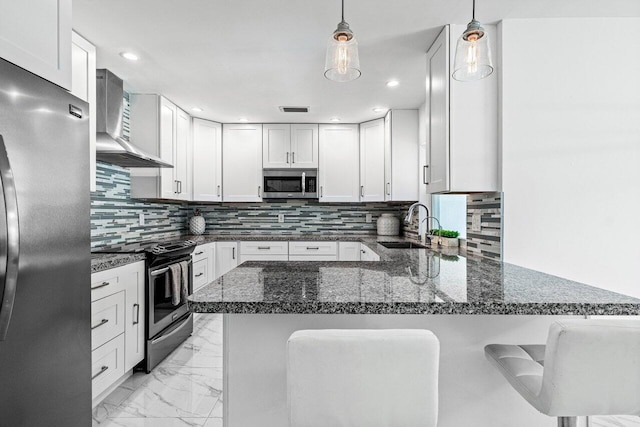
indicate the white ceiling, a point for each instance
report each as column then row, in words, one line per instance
column 245, row 58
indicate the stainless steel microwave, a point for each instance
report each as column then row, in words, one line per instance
column 290, row 184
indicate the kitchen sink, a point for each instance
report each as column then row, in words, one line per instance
column 402, row 245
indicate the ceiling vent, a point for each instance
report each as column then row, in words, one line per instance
column 294, row 109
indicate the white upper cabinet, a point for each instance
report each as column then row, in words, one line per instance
column 339, row 168
column 290, row 146
column 160, row 128
column 36, row 35
column 463, row 123
column 372, row 161
column 304, row 146
column 242, row 160
column 276, row 146
column 83, row 85
column 401, row 155
column 207, row 161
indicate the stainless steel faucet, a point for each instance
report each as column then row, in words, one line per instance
column 407, row 219
column 427, row 233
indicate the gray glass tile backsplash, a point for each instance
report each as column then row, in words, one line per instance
column 115, row 216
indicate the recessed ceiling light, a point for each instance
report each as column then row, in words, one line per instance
column 334, row 120
column 379, row 110
column 196, row 110
column 392, row 83
column 129, row 55
column 243, row 119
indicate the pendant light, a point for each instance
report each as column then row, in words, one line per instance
column 342, row 63
column 473, row 54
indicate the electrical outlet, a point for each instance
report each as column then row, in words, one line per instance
column 280, row 217
column 141, row 218
column 476, row 222
column 368, row 218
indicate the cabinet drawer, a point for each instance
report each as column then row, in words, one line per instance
column 200, row 274
column 313, row 257
column 264, row 248
column 107, row 365
column 107, row 319
column 200, row 252
column 103, row 285
column 313, row 248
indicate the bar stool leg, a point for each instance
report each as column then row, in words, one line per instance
column 567, row 421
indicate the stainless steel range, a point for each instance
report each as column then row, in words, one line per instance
column 168, row 322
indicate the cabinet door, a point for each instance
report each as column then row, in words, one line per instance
column 226, row 257
column 276, row 146
column 437, row 172
column 83, row 85
column 36, row 35
column 181, row 167
column 338, row 167
column 372, row 161
column 134, row 314
column 304, row 146
column 349, row 251
column 242, row 160
column 405, row 150
column 168, row 120
column 387, row 157
column 207, row 161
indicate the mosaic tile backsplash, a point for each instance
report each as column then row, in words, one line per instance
column 484, row 224
column 115, row 216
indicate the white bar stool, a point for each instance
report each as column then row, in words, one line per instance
column 356, row 378
column 588, row 367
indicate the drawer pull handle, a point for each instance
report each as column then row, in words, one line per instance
column 199, row 253
column 101, row 285
column 136, row 307
column 199, row 274
column 315, row 248
column 266, row 248
column 102, row 322
column 102, row 371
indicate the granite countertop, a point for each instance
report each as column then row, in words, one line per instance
column 100, row 262
column 404, row 281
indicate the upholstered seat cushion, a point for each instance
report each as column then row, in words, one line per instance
column 357, row 378
column 588, row 367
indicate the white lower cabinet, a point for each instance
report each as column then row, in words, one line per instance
column 203, row 265
column 264, row 251
column 313, row 251
column 117, row 325
column 367, row 254
column 226, row 257
column 349, row 251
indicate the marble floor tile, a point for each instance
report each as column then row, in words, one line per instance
column 184, row 390
column 214, row 422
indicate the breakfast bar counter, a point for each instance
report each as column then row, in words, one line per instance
column 466, row 301
column 404, row 281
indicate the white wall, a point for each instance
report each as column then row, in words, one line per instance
column 570, row 102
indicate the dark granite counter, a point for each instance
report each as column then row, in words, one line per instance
column 100, row 262
column 405, row 281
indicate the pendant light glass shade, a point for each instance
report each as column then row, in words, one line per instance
column 342, row 63
column 473, row 54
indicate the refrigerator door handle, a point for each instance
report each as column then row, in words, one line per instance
column 8, row 265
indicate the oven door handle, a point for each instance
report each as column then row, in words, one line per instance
column 159, row 272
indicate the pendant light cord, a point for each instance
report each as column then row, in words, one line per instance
column 473, row 13
column 343, row 9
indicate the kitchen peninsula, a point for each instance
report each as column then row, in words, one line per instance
column 466, row 301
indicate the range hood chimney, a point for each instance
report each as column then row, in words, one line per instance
column 111, row 147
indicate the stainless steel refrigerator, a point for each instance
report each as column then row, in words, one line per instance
column 45, row 337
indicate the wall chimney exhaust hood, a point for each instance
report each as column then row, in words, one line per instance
column 111, row 147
